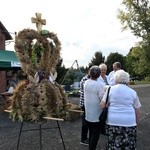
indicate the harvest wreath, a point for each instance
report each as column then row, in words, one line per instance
column 40, row 95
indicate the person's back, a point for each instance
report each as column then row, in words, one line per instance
column 93, row 92
column 81, row 102
column 121, row 110
column 123, row 113
column 116, row 66
column 84, row 127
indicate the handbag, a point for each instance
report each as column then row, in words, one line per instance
column 103, row 116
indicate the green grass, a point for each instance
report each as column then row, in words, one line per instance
column 142, row 82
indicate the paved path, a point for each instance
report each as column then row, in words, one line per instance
column 51, row 140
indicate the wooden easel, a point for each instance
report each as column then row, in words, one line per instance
column 40, row 128
column 40, row 132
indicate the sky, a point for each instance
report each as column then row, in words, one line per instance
column 83, row 26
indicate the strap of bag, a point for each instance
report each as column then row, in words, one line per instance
column 107, row 95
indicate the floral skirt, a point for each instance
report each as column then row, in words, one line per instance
column 121, row 138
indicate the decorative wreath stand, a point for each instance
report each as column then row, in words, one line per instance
column 40, row 97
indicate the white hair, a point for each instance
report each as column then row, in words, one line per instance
column 102, row 66
column 122, row 76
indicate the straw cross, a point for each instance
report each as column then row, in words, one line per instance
column 39, row 21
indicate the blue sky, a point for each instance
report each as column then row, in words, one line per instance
column 82, row 26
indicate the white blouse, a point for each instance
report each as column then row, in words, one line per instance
column 122, row 103
column 93, row 93
column 106, row 82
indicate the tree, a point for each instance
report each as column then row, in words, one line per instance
column 97, row 59
column 113, row 57
column 136, row 17
column 61, row 71
column 70, row 75
column 135, row 63
column 132, row 60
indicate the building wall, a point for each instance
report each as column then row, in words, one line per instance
column 3, row 81
column 3, row 78
column 2, row 41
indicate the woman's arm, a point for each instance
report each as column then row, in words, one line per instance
column 103, row 101
column 137, row 106
column 138, row 114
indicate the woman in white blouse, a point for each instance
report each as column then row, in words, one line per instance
column 103, row 77
column 123, row 114
column 93, row 93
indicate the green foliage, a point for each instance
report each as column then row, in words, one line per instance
column 113, row 57
column 147, row 79
column 97, row 59
column 36, row 53
column 44, row 32
column 136, row 63
column 143, row 82
column 132, row 60
column 33, row 59
column 131, row 83
column 61, row 71
column 136, row 17
column 70, row 75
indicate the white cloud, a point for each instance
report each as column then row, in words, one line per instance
column 83, row 26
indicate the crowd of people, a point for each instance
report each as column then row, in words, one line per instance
column 123, row 108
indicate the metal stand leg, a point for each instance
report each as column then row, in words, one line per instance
column 61, row 135
column 19, row 135
column 40, row 134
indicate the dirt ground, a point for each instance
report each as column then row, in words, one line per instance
column 51, row 139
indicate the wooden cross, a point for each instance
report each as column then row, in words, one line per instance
column 39, row 21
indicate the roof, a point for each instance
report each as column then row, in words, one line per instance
column 5, row 32
column 9, row 60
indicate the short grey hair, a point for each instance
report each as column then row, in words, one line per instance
column 94, row 72
column 103, row 66
column 122, row 77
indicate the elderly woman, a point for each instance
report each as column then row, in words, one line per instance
column 93, row 93
column 123, row 114
column 103, row 77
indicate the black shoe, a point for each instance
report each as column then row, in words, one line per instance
column 85, row 142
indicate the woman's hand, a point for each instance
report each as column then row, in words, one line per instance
column 102, row 104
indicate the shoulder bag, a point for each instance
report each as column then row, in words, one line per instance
column 103, row 116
